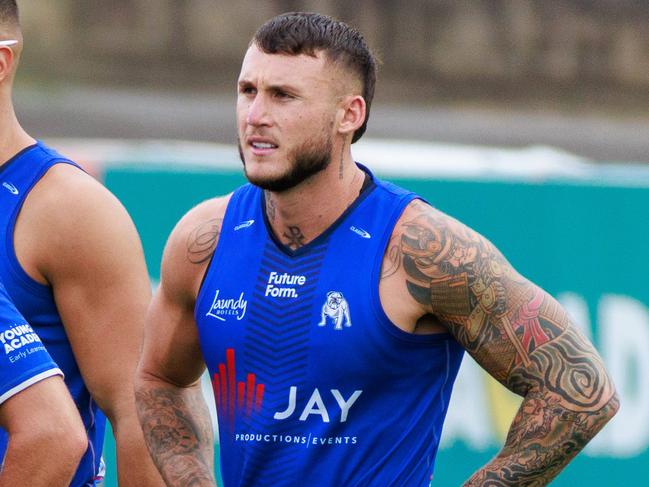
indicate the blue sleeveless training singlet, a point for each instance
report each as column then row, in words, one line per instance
column 314, row 385
column 35, row 301
column 23, row 358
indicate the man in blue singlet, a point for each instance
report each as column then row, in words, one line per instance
column 332, row 309
column 71, row 261
column 46, row 436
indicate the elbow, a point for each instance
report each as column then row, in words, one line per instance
column 59, row 446
column 612, row 407
column 68, row 439
column 76, row 445
column 141, row 384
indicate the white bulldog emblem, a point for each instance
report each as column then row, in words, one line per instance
column 336, row 309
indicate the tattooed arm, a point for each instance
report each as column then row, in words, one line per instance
column 173, row 414
column 517, row 333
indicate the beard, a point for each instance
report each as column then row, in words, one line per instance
column 304, row 162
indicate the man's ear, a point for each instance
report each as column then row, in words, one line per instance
column 7, row 58
column 354, row 110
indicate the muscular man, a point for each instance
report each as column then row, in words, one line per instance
column 332, row 309
column 72, row 263
column 46, row 436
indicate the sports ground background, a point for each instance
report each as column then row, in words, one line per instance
column 526, row 120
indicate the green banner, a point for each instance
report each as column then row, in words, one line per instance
column 585, row 241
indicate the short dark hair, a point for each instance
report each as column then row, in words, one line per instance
column 8, row 12
column 298, row 33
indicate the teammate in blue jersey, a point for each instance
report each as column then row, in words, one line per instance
column 46, row 436
column 71, row 261
column 332, row 309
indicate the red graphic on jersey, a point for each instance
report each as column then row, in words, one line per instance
column 230, row 395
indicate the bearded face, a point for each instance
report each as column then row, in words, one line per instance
column 304, row 161
column 287, row 109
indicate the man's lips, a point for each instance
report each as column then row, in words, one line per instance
column 261, row 146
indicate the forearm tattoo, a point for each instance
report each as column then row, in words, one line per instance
column 518, row 333
column 202, row 241
column 178, row 433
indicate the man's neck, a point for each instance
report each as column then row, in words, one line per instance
column 13, row 138
column 300, row 215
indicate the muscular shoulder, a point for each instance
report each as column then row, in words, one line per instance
column 65, row 194
column 426, row 227
column 190, row 247
column 436, row 256
column 76, row 218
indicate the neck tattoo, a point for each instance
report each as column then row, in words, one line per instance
column 270, row 207
column 295, row 238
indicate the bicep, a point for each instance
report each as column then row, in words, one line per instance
column 516, row 331
column 171, row 351
column 101, row 289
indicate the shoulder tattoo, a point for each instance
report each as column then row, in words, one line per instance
column 202, row 241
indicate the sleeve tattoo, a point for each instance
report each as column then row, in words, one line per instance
column 519, row 334
column 178, row 433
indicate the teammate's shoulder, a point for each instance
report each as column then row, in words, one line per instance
column 65, row 173
column 68, row 201
column 81, row 190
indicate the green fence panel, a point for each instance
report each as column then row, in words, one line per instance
column 584, row 241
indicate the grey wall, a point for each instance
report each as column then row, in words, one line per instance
column 504, row 45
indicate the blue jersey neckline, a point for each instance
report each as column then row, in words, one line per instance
column 365, row 192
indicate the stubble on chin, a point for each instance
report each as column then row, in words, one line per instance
column 305, row 162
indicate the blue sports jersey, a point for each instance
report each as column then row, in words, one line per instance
column 314, row 385
column 23, row 358
column 35, row 301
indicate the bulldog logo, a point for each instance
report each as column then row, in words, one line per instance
column 335, row 309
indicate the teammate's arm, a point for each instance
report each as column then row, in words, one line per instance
column 94, row 262
column 520, row 335
column 46, row 436
column 174, row 417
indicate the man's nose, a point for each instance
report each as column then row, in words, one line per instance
column 258, row 111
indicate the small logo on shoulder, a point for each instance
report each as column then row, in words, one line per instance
column 360, row 231
column 246, row 224
column 10, row 187
column 336, row 311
